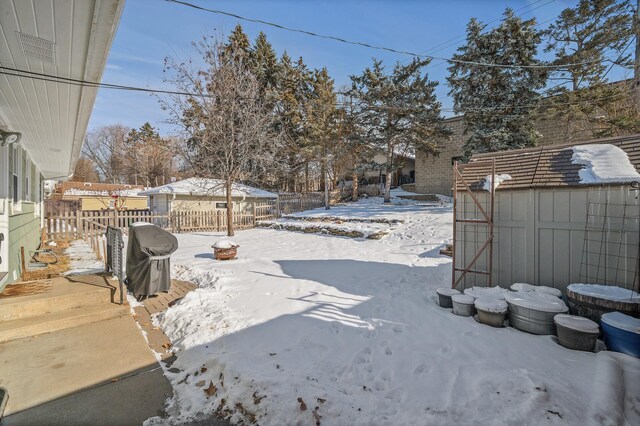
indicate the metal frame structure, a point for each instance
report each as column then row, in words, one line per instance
column 488, row 220
column 115, row 244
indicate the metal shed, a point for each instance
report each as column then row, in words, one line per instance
column 543, row 226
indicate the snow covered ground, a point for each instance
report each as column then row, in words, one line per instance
column 82, row 259
column 309, row 329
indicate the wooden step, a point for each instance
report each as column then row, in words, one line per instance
column 64, row 295
column 60, row 320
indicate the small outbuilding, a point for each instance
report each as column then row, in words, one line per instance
column 204, row 195
column 551, row 216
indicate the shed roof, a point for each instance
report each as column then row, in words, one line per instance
column 202, row 187
column 541, row 167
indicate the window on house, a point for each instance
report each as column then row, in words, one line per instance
column 14, row 178
column 25, row 177
column 221, row 205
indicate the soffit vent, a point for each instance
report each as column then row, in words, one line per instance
column 37, row 48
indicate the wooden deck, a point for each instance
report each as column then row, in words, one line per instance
column 155, row 305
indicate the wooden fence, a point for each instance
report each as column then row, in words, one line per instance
column 292, row 203
column 89, row 225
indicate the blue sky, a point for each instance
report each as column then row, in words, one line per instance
column 151, row 30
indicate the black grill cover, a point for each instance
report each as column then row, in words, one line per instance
column 148, row 266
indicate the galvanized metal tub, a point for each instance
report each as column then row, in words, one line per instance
column 491, row 311
column 533, row 312
column 444, row 296
column 577, row 333
column 463, row 305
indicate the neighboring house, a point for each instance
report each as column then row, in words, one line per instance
column 434, row 172
column 564, row 214
column 101, row 196
column 405, row 173
column 65, row 39
column 204, row 195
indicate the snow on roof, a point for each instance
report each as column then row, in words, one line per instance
column 549, row 166
column 208, row 188
column 134, row 192
column 603, row 163
column 499, row 179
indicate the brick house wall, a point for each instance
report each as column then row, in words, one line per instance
column 434, row 173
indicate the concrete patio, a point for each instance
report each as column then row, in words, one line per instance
column 73, row 355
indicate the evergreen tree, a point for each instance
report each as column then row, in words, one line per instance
column 399, row 111
column 293, row 94
column 264, row 63
column 498, row 102
column 148, row 156
column 237, row 46
column 584, row 38
column 321, row 121
column 353, row 151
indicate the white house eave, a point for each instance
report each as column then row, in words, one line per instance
column 53, row 116
column 106, row 18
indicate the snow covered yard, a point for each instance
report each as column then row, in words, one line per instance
column 310, row 329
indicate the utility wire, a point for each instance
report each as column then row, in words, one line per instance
column 75, row 82
column 371, row 46
column 448, row 43
column 83, row 83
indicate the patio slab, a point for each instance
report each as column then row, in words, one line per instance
column 51, row 367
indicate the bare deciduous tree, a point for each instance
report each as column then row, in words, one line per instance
column 85, row 171
column 105, row 147
column 227, row 128
column 149, row 157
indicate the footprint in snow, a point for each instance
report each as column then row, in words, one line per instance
column 398, row 328
column 421, row 369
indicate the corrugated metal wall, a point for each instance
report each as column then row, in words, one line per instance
column 553, row 237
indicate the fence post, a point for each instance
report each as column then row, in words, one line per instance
column 254, row 213
column 78, row 224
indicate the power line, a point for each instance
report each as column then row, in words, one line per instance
column 454, row 40
column 83, row 83
column 75, row 82
column 370, row 46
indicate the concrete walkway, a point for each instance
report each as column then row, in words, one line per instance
column 88, row 369
column 99, row 373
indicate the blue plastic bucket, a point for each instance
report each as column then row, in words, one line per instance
column 621, row 333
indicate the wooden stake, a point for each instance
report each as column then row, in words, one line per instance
column 22, row 263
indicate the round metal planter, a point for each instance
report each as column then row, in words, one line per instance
column 491, row 311
column 576, row 333
column 533, row 312
column 444, row 296
column 593, row 300
column 463, row 305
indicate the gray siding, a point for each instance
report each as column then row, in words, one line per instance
column 554, row 237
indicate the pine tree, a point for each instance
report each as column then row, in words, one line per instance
column 321, row 121
column 399, row 111
column 588, row 35
column 293, row 94
column 353, row 151
column 237, row 46
column 148, row 156
column 498, row 102
column 264, row 63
